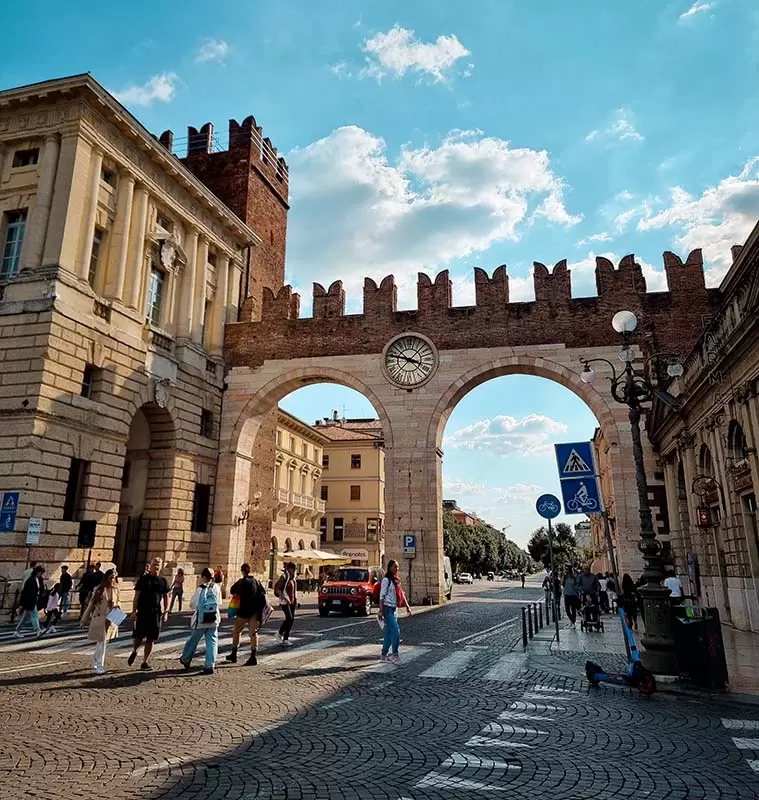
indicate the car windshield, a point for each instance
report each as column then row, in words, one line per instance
column 353, row 575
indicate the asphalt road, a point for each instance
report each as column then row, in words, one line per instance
column 464, row 715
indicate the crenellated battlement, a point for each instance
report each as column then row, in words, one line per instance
column 553, row 316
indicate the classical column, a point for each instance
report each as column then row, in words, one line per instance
column 233, row 299
column 187, row 293
column 122, row 228
column 36, row 226
column 96, row 169
column 201, row 269
column 169, row 319
column 220, row 305
column 137, row 263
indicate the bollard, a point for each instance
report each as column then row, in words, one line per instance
column 524, row 630
column 540, row 613
column 529, row 622
column 535, row 615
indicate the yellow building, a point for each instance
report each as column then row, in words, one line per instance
column 118, row 271
column 297, row 489
column 353, row 488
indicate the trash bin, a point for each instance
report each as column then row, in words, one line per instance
column 699, row 647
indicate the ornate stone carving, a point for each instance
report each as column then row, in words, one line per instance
column 162, row 392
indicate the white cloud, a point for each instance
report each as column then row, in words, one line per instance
column 505, row 435
column 723, row 215
column 342, row 69
column 452, row 487
column 212, row 50
column 584, row 274
column 356, row 212
column 697, row 8
column 398, row 51
column 619, row 129
column 596, row 237
column 160, row 87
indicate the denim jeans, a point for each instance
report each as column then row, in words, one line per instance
column 392, row 637
column 98, row 657
column 31, row 616
column 212, row 645
column 64, row 602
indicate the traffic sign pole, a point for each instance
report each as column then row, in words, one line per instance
column 554, row 599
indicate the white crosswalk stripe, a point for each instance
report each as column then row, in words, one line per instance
column 741, row 724
column 451, row 666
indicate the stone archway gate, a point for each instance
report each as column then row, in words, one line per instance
column 269, row 358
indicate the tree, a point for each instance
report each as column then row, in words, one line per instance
column 564, row 545
column 480, row 547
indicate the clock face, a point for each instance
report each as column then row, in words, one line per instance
column 410, row 360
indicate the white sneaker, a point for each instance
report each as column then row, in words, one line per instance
column 99, row 670
column 52, row 629
column 18, row 635
column 279, row 636
column 287, row 643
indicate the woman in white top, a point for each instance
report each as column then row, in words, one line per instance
column 206, row 603
column 391, row 596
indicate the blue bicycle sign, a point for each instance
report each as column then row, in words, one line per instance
column 548, row 506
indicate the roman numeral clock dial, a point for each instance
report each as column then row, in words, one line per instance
column 409, row 360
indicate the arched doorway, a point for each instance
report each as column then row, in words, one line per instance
column 146, row 483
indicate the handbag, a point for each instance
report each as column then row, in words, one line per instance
column 234, row 606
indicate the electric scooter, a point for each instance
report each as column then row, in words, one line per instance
column 636, row 676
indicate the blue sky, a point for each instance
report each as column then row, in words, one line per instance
column 429, row 135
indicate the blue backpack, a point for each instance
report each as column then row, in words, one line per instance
column 208, row 607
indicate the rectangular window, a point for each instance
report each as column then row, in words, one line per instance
column 325, row 493
column 97, row 246
column 371, row 530
column 337, row 529
column 126, row 474
column 206, row 423
column 164, row 222
column 15, row 223
column 26, row 158
column 305, row 450
column 279, row 438
column 355, row 492
column 201, row 502
column 292, row 444
column 155, row 296
column 108, row 176
column 90, row 378
column 355, row 462
column 74, row 490
column 323, row 529
column 325, row 462
column 206, row 319
column 212, row 259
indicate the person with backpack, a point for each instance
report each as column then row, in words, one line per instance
column 287, row 593
column 206, row 603
column 249, row 613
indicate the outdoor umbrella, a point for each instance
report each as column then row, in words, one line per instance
column 316, row 558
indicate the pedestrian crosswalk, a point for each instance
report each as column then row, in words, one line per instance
column 746, row 743
column 432, row 660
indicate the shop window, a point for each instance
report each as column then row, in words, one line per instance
column 201, row 503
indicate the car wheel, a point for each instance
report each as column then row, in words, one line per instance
column 366, row 609
column 323, row 612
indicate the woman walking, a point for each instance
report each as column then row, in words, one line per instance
column 629, row 599
column 287, row 592
column 177, row 590
column 206, row 603
column 95, row 618
column 31, row 591
column 390, row 599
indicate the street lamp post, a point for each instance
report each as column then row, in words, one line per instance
column 633, row 388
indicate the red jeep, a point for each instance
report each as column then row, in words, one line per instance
column 351, row 589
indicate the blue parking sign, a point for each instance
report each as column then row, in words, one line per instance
column 581, row 496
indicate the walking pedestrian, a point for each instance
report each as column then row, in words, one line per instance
column 98, row 576
column 603, row 592
column 390, row 599
column 672, row 582
column 288, row 601
column 206, row 603
column 65, row 582
column 629, row 599
column 95, row 618
column 86, row 584
column 177, row 590
column 589, row 585
column 31, row 591
column 28, row 572
column 52, row 612
column 150, row 592
column 611, row 590
column 522, row 576
column 571, row 596
column 252, row 599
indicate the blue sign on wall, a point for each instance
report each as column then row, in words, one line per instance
column 548, row 506
column 8, row 511
column 581, row 496
column 409, row 543
column 575, row 460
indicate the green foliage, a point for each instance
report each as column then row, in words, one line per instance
column 564, row 545
column 481, row 548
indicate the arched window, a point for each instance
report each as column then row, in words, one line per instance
column 705, row 463
column 737, row 446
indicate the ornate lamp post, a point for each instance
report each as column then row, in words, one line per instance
column 633, row 388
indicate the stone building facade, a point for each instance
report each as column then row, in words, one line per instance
column 353, row 490
column 297, row 487
column 708, row 451
column 120, row 269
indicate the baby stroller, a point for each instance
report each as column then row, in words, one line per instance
column 591, row 614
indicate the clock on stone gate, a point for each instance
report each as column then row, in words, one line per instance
column 409, row 360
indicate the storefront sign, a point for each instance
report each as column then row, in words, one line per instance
column 356, row 553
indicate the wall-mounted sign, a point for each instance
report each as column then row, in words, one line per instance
column 356, row 553
column 704, row 517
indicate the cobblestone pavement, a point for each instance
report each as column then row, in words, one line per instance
column 464, row 715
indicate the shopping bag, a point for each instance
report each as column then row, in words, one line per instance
column 233, row 607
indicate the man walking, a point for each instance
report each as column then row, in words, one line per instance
column 590, row 586
column 571, row 596
column 87, row 584
column 672, row 582
column 65, row 582
column 249, row 614
column 150, row 591
column 30, row 594
column 286, row 591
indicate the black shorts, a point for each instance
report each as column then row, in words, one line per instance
column 147, row 626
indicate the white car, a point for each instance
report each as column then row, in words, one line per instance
column 465, row 577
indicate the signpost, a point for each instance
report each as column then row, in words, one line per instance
column 409, row 552
column 33, row 531
column 579, row 478
column 548, row 506
column 8, row 511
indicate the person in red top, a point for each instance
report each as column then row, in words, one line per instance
column 286, row 591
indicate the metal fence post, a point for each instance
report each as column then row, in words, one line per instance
column 529, row 622
column 540, row 615
column 535, row 616
column 524, row 629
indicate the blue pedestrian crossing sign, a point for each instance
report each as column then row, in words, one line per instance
column 581, row 496
column 575, row 460
column 8, row 511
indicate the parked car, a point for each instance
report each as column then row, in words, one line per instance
column 465, row 577
column 491, row 576
column 351, row 589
